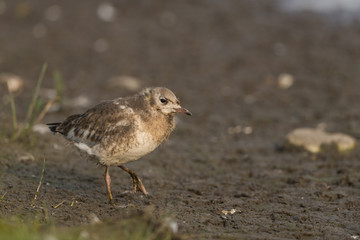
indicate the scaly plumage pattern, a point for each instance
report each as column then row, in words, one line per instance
column 124, row 129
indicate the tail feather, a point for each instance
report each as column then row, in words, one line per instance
column 53, row 126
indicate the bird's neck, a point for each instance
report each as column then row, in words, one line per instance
column 161, row 124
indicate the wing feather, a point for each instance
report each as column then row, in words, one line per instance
column 98, row 124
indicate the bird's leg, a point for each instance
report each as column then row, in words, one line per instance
column 136, row 181
column 108, row 181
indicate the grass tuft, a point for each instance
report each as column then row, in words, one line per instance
column 37, row 109
column 36, row 94
column 38, row 188
column 59, row 86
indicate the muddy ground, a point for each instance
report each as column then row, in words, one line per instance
column 223, row 59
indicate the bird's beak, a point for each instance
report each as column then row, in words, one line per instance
column 183, row 110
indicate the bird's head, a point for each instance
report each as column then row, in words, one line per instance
column 164, row 100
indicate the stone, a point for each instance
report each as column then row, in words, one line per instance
column 312, row 139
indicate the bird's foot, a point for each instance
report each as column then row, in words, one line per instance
column 136, row 181
column 138, row 185
column 111, row 201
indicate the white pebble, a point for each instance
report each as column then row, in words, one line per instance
column 40, row 128
column 26, row 157
column 106, row 12
column 84, row 235
column 172, row 225
column 285, row 80
column 248, row 130
column 80, row 101
column 312, row 139
column 94, row 219
column 234, row 130
column 231, row 212
column 58, row 147
column 128, row 82
column 14, row 82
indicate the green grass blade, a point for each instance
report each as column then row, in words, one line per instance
column 37, row 89
column 13, row 108
column 59, row 86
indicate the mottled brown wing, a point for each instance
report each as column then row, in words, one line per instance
column 99, row 124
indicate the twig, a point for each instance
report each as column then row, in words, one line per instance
column 2, row 197
column 13, row 108
column 72, row 204
column 45, row 110
column 38, row 188
column 58, row 205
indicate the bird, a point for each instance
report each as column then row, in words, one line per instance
column 122, row 130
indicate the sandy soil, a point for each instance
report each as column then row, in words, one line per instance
column 223, row 59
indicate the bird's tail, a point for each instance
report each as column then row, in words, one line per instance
column 53, row 126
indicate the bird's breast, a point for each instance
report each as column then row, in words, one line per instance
column 145, row 138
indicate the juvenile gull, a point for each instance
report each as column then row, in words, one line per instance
column 123, row 130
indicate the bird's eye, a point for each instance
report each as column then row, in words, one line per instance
column 163, row 100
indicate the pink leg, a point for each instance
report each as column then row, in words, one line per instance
column 108, row 182
column 136, row 181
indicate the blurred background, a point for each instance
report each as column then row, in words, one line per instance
column 233, row 53
column 249, row 70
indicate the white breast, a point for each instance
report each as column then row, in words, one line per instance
column 142, row 144
column 145, row 144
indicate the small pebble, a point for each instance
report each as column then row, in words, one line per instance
column 172, row 224
column 285, row 80
column 124, row 81
column 94, row 219
column 14, row 82
column 26, row 157
column 40, row 128
column 106, row 12
column 80, row 101
column 248, row 130
column 231, row 212
column 84, row 235
column 234, row 130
